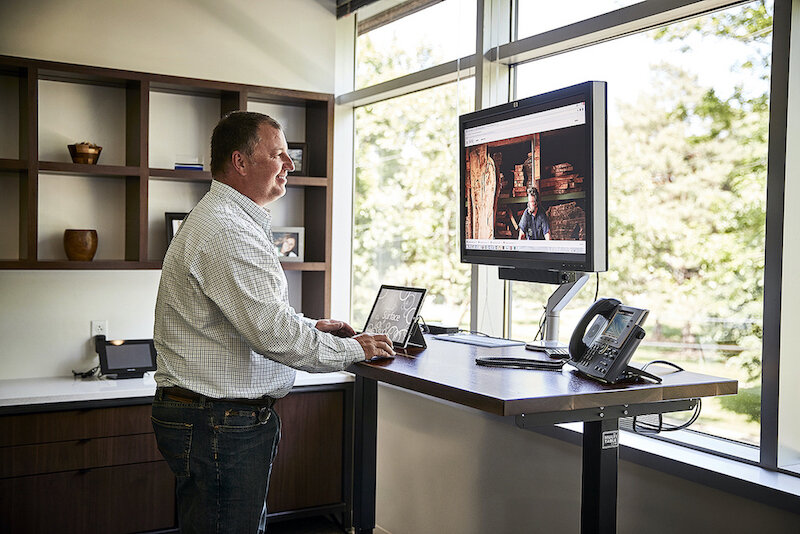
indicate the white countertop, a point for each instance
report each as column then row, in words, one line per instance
column 27, row 391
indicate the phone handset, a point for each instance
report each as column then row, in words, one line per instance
column 603, row 352
column 604, row 308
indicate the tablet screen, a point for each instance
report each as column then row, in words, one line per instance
column 395, row 312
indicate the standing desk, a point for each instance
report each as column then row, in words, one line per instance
column 447, row 371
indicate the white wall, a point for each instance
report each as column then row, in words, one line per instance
column 261, row 42
column 45, row 315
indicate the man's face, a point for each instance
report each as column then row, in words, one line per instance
column 268, row 166
column 532, row 203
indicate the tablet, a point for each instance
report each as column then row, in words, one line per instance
column 129, row 358
column 395, row 313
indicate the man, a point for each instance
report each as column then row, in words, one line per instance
column 228, row 341
column 533, row 224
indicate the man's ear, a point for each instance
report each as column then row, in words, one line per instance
column 239, row 163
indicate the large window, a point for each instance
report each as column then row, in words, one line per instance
column 537, row 16
column 425, row 38
column 406, row 219
column 688, row 118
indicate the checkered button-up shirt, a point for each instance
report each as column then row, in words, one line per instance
column 223, row 324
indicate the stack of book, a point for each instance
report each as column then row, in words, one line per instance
column 189, row 166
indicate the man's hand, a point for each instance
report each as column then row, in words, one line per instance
column 337, row 328
column 375, row 345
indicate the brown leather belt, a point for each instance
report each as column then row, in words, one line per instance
column 186, row 395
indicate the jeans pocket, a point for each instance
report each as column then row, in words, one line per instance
column 175, row 443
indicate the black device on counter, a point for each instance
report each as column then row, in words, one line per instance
column 125, row 358
column 604, row 350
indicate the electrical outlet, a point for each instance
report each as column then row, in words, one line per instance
column 99, row 328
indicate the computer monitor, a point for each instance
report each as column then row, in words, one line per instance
column 533, row 184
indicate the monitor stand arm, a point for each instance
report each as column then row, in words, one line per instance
column 560, row 298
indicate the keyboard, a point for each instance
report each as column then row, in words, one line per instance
column 553, row 352
column 480, row 341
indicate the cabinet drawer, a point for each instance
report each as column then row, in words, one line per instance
column 27, row 429
column 25, row 460
column 131, row 498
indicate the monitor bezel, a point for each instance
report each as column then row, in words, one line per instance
column 593, row 93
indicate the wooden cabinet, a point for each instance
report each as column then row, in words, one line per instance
column 98, row 469
column 135, row 117
column 84, row 471
column 312, row 469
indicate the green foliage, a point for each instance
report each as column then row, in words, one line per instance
column 406, row 213
column 746, row 402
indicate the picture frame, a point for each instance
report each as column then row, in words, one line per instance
column 289, row 242
column 299, row 154
column 173, row 220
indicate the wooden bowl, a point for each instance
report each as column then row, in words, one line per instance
column 84, row 153
column 80, row 245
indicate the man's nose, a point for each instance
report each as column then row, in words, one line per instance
column 289, row 164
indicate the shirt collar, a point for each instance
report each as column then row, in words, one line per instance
column 260, row 214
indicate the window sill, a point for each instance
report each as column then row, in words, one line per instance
column 725, row 473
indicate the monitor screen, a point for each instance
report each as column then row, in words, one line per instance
column 533, row 182
column 127, row 358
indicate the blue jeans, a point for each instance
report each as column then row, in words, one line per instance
column 221, row 453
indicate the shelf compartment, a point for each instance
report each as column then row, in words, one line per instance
column 10, row 204
column 76, row 112
column 180, row 127
column 111, row 204
column 168, row 196
column 11, row 113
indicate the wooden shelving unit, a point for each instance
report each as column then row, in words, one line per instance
column 135, row 90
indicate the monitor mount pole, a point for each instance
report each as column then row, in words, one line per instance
column 560, row 298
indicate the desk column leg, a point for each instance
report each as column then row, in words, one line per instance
column 365, row 454
column 599, row 491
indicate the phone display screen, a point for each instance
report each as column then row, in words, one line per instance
column 617, row 326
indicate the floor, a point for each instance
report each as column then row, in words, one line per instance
column 306, row 525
